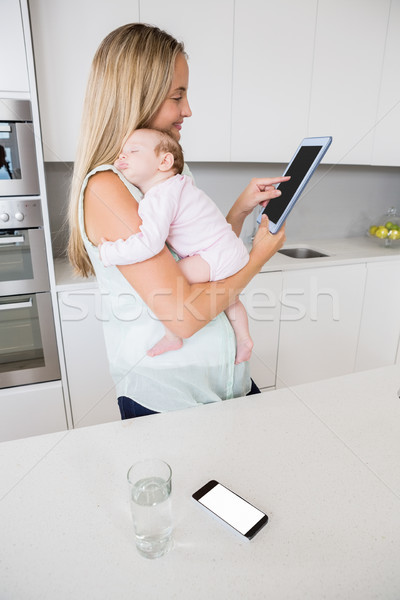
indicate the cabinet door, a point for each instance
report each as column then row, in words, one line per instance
column 271, row 77
column 320, row 321
column 349, row 47
column 380, row 323
column 92, row 394
column 65, row 38
column 386, row 142
column 262, row 301
column 13, row 67
column 206, row 28
column 31, row 410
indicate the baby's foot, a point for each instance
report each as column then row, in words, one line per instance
column 244, row 349
column 165, row 345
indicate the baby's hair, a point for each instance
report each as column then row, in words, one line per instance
column 169, row 144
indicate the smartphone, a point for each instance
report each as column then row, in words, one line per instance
column 231, row 509
column 303, row 164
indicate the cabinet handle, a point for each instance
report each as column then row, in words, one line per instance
column 13, row 305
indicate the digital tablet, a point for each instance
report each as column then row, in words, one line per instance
column 303, row 164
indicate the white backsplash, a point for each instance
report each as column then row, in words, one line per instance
column 339, row 201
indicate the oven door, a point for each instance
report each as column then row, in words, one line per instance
column 23, row 262
column 28, row 348
column 18, row 164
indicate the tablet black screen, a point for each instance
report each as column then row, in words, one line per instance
column 297, row 171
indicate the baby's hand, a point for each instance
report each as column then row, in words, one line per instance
column 99, row 247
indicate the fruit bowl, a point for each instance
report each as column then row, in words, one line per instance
column 386, row 228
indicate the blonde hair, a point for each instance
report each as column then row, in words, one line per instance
column 130, row 78
column 169, row 144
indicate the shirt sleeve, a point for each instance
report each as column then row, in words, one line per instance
column 157, row 210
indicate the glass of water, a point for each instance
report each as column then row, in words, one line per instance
column 150, row 498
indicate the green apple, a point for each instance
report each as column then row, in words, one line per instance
column 381, row 232
column 389, row 225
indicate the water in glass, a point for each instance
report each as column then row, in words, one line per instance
column 151, row 512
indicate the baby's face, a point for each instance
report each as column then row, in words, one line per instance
column 138, row 161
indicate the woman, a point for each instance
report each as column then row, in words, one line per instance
column 139, row 79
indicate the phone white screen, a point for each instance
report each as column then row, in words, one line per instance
column 231, row 508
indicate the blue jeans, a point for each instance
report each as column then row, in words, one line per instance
column 130, row 409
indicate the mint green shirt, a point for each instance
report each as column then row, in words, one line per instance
column 202, row 371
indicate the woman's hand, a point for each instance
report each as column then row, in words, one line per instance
column 265, row 243
column 259, row 192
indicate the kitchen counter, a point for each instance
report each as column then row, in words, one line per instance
column 340, row 251
column 321, row 459
column 66, row 280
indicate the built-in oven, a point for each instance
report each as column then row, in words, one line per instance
column 18, row 164
column 23, row 261
column 28, row 345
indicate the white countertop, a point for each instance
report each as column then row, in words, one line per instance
column 321, row 459
column 66, row 280
column 340, row 251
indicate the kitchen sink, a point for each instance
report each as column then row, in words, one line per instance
column 301, row 253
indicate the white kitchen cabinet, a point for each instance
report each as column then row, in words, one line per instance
column 272, row 70
column 261, row 298
column 263, row 74
column 206, row 28
column 380, row 323
column 92, row 393
column 13, row 66
column 31, row 410
column 64, row 46
column 65, row 38
column 348, row 57
column 386, row 149
column 320, row 322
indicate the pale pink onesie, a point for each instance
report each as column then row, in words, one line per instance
column 178, row 212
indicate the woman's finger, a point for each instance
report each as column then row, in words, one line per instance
column 268, row 195
column 270, row 181
column 266, row 188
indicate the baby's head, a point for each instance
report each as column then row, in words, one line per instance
column 150, row 156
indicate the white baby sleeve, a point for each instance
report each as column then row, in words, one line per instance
column 157, row 210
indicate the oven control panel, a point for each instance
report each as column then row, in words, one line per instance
column 21, row 213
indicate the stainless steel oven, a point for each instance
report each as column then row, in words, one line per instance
column 28, row 346
column 18, row 164
column 23, row 263
column 28, row 349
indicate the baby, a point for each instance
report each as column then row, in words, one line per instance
column 173, row 209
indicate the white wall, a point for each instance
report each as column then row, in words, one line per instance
column 339, row 201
